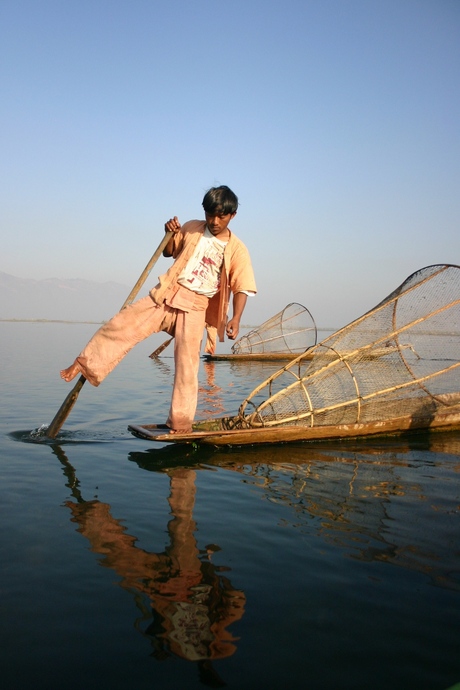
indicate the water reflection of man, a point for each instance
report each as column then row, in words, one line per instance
column 210, row 396
column 193, row 602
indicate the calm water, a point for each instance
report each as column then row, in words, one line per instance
column 127, row 564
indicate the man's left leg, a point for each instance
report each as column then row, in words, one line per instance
column 187, row 347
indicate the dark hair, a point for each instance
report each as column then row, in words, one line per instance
column 220, row 200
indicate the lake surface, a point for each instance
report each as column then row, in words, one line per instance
column 130, row 564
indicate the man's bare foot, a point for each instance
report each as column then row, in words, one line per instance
column 181, row 431
column 71, row 372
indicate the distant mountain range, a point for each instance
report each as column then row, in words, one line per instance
column 59, row 300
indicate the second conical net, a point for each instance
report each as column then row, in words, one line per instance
column 292, row 330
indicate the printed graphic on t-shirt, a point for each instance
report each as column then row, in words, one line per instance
column 202, row 273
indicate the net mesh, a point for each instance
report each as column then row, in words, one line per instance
column 292, row 330
column 401, row 358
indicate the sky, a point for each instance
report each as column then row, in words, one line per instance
column 336, row 122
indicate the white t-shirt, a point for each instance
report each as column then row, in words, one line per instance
column 203, row 269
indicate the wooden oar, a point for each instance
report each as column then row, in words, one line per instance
column 156, row 353
column 71, row 399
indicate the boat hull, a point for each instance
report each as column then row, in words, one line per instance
column 441, row 421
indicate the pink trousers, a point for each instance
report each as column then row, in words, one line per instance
column 136, row 322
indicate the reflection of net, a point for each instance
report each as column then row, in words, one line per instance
column 399, row 359
column 291, row 330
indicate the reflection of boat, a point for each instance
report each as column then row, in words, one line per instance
column 355, row 496
column 168, row 457
column 394, row 370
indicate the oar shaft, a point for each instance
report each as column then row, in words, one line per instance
column 65, row 409
column 160, row 349
column 71, row 399
column 143, row 277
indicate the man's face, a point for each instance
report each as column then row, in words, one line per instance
column 217, row 223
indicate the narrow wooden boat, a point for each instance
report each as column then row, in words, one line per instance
column 281, row 356
column 253, row 357
column 204, row 433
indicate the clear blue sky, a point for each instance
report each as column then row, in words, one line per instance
column 336, row 122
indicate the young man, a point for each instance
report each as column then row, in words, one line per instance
column 210, row 263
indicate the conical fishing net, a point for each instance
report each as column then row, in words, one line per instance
column 399, row 359
column 292, row 330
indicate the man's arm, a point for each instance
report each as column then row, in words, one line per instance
column 233, row 326
column 173, row 226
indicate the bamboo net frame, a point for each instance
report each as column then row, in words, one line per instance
column 292, row 330
column 400, row 358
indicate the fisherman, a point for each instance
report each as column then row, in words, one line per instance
column 210, row 263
